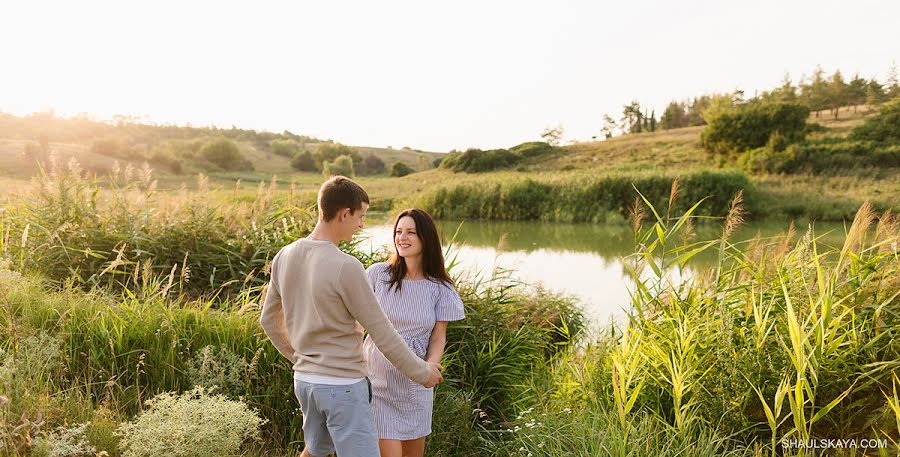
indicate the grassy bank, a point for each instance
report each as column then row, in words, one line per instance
column 781, row 338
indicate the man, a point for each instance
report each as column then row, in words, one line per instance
column 316, row 300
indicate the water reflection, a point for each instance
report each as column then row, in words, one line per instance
column 584, row 260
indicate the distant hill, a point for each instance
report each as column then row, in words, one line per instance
column 172, row 151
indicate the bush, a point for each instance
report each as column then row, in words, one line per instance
column 883, row 128
column 752, row 125
column 401, row 169
column 572, row 199
column 329, row 152
column 284, row 148
column 304, row 161
column 226, row 155
column 478, row 161
column 373, row 165
column 343, row 165
column 65, row 442
column 219, row 369
column 192, row 424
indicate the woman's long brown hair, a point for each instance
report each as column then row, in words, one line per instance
column 432, row 254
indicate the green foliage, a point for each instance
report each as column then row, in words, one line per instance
column 883, row 128
column 284, row 148
column 65, row 441
column 373, row 165
column 109, row 147
column 68, row 227
column 478, row 161
column 329, row 152
column 191, row 424
column 226, row 155
column 399, row 169
column 304, row 161
column 825, row 156
column 342, row 165
column 750, row 126
column 573, row 198
column 220, row 370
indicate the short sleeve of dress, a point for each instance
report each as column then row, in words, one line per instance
column 374, row 273
column 449, row 306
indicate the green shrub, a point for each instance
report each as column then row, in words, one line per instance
column 329, row 152
column 226, row 155
column 478, row 161
column 342, row 165
column 751, row 125
column 218, row 369
column 191, row 424
column 884, row 128
column 284, row 148
column 399, row 169
column 373, row 165
column 304, row 161
column 64, row 441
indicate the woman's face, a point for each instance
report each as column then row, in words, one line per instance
column 406, row 239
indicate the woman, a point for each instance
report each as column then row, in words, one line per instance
column 419, row 298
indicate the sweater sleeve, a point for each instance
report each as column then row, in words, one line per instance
column 356, row 292
column 271, row 318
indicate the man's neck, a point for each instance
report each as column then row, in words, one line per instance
column 324, row 232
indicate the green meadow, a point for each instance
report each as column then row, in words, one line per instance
column 132, row 260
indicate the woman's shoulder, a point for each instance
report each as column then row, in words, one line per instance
column 377, row 268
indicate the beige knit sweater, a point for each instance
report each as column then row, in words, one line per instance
column 316, row 301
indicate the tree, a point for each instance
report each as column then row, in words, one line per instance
column 653, row 121
column 874, row 93
column 609, row 126
column 785, row 93
column 284, row 148
column 401, row 169
column 226, row 155
column 328, row 152
column 373, row 165
column 837, row 93
column 632, row 118
column 891, row 86
column 342, row 165
column 674, row 117
column 815, row 92
column 304, row 161
column 856, row 91
column 883, row 128
column 753, row 125
column 553, row 135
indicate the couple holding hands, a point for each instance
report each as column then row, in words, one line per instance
column 358, row 397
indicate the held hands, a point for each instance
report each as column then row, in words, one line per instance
column 435, row 378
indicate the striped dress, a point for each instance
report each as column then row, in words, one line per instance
column 402, row 407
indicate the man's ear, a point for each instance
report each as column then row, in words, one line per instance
column 344, row 213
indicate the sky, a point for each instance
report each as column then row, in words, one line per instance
column 427, row 75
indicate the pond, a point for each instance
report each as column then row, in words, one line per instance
column 583, row 260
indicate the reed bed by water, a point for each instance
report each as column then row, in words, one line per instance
column 780, row 340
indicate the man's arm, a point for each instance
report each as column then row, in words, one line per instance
column 360, row 300
column 271, row 318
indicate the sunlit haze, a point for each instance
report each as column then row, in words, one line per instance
column 428, row 75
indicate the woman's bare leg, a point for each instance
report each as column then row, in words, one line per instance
column 413, row 448
column 390, row 448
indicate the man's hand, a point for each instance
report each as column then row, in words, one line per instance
column 435, row 378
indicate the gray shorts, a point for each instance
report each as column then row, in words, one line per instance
column 338, row 418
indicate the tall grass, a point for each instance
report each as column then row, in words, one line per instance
column 572, row 197
column 782, row 339
column 68, row 227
